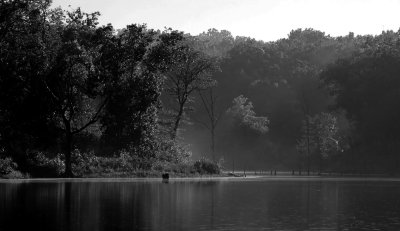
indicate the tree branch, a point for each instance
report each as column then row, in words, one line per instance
column 94, row 119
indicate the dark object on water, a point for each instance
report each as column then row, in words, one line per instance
column 165, row 176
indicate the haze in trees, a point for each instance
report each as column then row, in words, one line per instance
column 140, row 99
column 190, row 73
column 242, row 111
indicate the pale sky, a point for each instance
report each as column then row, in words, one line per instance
column 261, row 19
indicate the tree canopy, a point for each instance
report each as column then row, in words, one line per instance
column 72, row 89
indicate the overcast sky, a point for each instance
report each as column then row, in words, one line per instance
column 261, row 19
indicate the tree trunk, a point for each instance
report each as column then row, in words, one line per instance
column 308, row 147
column 213, row 143
column 177, row 121
column 320, row 164
column 68, row 151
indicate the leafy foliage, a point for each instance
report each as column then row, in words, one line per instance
column 135, row 88
column 366, row 85
column 320, row 133
column 205, row 166
column 88, row 99
column 39, row 165
column 242, row 110
column 7, row 166
column 78, row 80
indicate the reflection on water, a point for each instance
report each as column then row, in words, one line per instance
column 200, row 205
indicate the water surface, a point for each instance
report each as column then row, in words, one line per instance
column 206, row 204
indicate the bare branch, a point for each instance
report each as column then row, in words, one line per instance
column 94, row 119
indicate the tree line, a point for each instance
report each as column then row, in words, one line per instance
column 68, row 83
column 72, row 90
column 330, row 101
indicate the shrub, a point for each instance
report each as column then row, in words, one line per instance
column 179, row 168
column 206, row 166
column 42, row 166
column 88, row 163
column 125, row 161
column 83, row 163
column 15, row 174
column 7, row 166
column 172, row 152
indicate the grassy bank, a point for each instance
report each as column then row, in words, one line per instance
column 122, row 166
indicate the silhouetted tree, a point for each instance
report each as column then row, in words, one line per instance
column 209, row 100
column 139, row 58
column 191, row 72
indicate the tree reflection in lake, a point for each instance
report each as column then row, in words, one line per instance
column 200, row 205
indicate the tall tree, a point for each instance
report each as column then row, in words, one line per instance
column 24, row 61
column 139, row 57
column 209, row 100
column 191, row 72
column 320, row 136
column 326, row 134
column 73, row 83
column 306, row 144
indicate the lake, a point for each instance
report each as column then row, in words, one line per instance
column 269, row 203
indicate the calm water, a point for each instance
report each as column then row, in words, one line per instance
column 252, row 204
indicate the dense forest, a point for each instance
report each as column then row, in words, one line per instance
column 79, row 98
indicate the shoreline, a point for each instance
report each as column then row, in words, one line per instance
column 205, row 178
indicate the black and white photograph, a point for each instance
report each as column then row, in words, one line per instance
column 220, row 115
